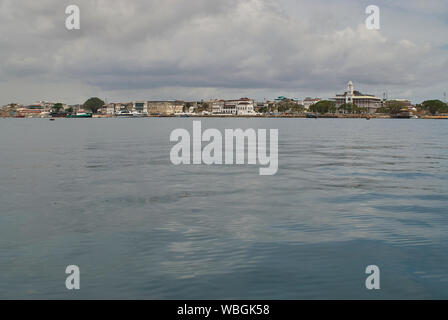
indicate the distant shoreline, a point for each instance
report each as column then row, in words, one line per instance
column 362, row 117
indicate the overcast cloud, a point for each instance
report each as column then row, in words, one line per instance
column 191, row 49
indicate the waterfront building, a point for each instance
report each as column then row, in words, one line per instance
column 108, row 109
column 35, row 110
column 308, row 102
column 32, row 112
column 351, row 96
column 40, row 109
column 243, row 106
column 218, row 106
column 230, row 107
column 140, row 107
column 165, row 107
column 8, row 110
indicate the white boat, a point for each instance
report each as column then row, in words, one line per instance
column 137, row 114
column 124, row 113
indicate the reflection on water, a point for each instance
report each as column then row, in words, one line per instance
column 102, row 194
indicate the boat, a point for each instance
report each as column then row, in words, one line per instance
column 124, row 113
column 137, row 114
column 52, row 119
column 368, row 118
column 311, row 116
column 80, row 115
column 58, row 115
column 403, row 114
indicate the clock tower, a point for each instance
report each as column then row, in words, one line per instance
column 350, row 92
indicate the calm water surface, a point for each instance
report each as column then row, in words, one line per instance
column 102, row 194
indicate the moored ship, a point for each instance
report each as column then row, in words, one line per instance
column 124, row 113
column 312, row 116
column 80, row 115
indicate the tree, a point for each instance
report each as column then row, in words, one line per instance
column 203, row 106
column 363, row 110
column 57, row 107
column 394, row 107
column 332, row 109
column 298, row 108
column 323, row 106
column 94, row 104
column 359, row 110
column 286, row 105
column 352, row 108
column 435, row 106
column 346, row 108
column 263, row 110
column 391, row 107
column 187, row 107
column 382, row 110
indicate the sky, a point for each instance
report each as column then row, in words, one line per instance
column 129, row 50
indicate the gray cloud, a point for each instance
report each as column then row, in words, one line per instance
column 211, row 48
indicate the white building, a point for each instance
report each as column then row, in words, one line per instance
column 351, row 96
column 218, row 107
column 243, row 106
column 308, row 102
